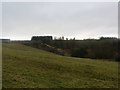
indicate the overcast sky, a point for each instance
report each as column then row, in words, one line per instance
column 22, row 20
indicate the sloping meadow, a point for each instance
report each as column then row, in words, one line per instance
column 27, row 67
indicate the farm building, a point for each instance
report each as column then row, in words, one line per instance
column 5, row 40
column 42, row 39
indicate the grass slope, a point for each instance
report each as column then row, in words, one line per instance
column 28, row 67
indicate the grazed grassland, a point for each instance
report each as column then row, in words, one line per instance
column 28, row 67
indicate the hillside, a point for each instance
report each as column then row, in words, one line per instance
column 28, row 67
column 86, row 48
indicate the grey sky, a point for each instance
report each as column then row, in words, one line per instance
column 70, row 19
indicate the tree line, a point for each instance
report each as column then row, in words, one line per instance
column 102, row 48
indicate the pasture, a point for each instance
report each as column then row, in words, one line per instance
column 27, row 67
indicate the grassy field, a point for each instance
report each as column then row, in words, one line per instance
column 0, row 65
column 28, row 67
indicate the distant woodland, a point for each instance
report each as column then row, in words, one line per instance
column 102, row 48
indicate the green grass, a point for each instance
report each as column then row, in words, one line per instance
column 28, row 67
column 0, row 65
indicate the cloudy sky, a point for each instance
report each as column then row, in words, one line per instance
column 22, row 20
